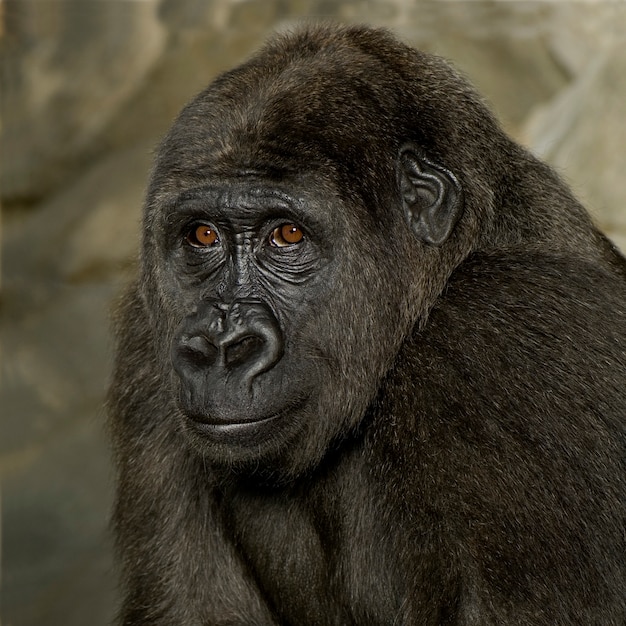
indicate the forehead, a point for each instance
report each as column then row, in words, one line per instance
column 253, row 199
column 252, row 192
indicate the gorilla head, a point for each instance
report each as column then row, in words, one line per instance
column 279, row 201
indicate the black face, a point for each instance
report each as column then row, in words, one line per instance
column 284, row 307
column 250, row 264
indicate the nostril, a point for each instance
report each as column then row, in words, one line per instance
column 198, row 348
column 243, row 350
column 235, row 344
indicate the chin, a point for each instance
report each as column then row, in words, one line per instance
column 242, row 445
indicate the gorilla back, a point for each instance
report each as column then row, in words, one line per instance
column 373, row 368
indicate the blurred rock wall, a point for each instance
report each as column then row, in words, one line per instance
column 87, row 90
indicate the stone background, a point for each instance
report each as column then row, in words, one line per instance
column 87, row 90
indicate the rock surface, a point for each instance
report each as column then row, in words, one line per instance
column 87, row 90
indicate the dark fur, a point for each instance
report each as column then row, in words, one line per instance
column 464, row 458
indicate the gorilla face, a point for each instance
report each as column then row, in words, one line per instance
column 277, row 296
column 250, row 265
column 264, row 300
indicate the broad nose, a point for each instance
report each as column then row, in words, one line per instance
column 243, row 336
column 228, row 349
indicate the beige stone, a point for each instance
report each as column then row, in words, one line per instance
column 583, row 134
column 68, row 68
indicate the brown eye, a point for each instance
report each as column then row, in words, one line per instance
column 202, row 236
column 286, row 235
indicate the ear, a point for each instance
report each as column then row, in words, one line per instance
column 431, row 196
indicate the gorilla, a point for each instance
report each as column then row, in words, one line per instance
column 373, row 369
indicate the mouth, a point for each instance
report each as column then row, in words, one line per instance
column 244, row 432
column 231, row 431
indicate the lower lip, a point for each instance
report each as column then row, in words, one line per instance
column 231, row 431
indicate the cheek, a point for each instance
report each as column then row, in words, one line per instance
column 181, row 292
column 358, row 324
column 167, row 306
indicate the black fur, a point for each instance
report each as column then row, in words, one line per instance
column 415, row 415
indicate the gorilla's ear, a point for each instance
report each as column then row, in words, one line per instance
column 431, row 196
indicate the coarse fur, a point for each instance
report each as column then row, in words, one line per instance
column 416, row 414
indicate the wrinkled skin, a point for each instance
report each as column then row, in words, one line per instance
column 373, row 368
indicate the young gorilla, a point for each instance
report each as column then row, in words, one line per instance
column 373, row 370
